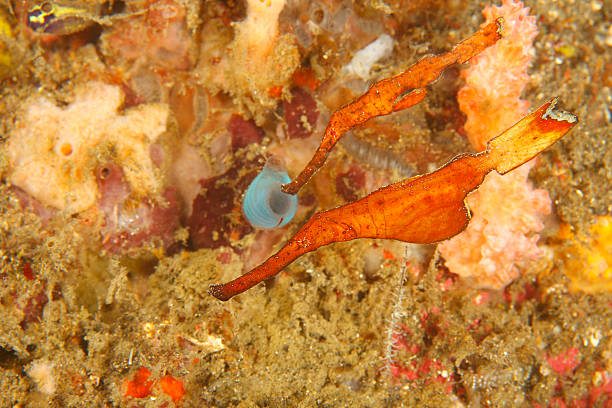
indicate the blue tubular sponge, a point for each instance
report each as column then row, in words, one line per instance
column 265, row 205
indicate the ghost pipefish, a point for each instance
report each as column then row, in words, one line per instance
column 265, row 205
column 394, row 94
column 421, row 209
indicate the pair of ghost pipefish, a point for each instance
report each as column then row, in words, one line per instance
column 422, row 209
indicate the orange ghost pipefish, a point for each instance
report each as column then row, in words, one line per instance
column 394, row 94
column 422, row 209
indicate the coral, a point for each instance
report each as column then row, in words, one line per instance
column 129, row 224
column 588, row 260
column 160, row 39
column 216, row 218
column 496, row 77
column 257, row 33
column 101, row 321
column 42, row 373
column 507, row 210
column 53, row 150
column 261, row 60
column 364, row 59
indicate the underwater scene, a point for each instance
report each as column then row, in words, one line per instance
column 292, row 203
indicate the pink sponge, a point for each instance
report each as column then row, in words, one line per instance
column 507, row 210
column 497, row 76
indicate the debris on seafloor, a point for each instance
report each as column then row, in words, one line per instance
column 361, row 63
column 41, row 373
column 501, row 237
column 422, row 209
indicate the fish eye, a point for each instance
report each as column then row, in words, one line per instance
column 46, row 7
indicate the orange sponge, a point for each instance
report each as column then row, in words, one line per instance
column 497, row 76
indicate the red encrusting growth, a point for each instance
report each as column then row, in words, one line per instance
column 421, row 209
column 564, row 363
column 394, row 94
column 172, row 387
column 244, row 132
column 27, row 271
column 300, row 114
column 140, row 386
